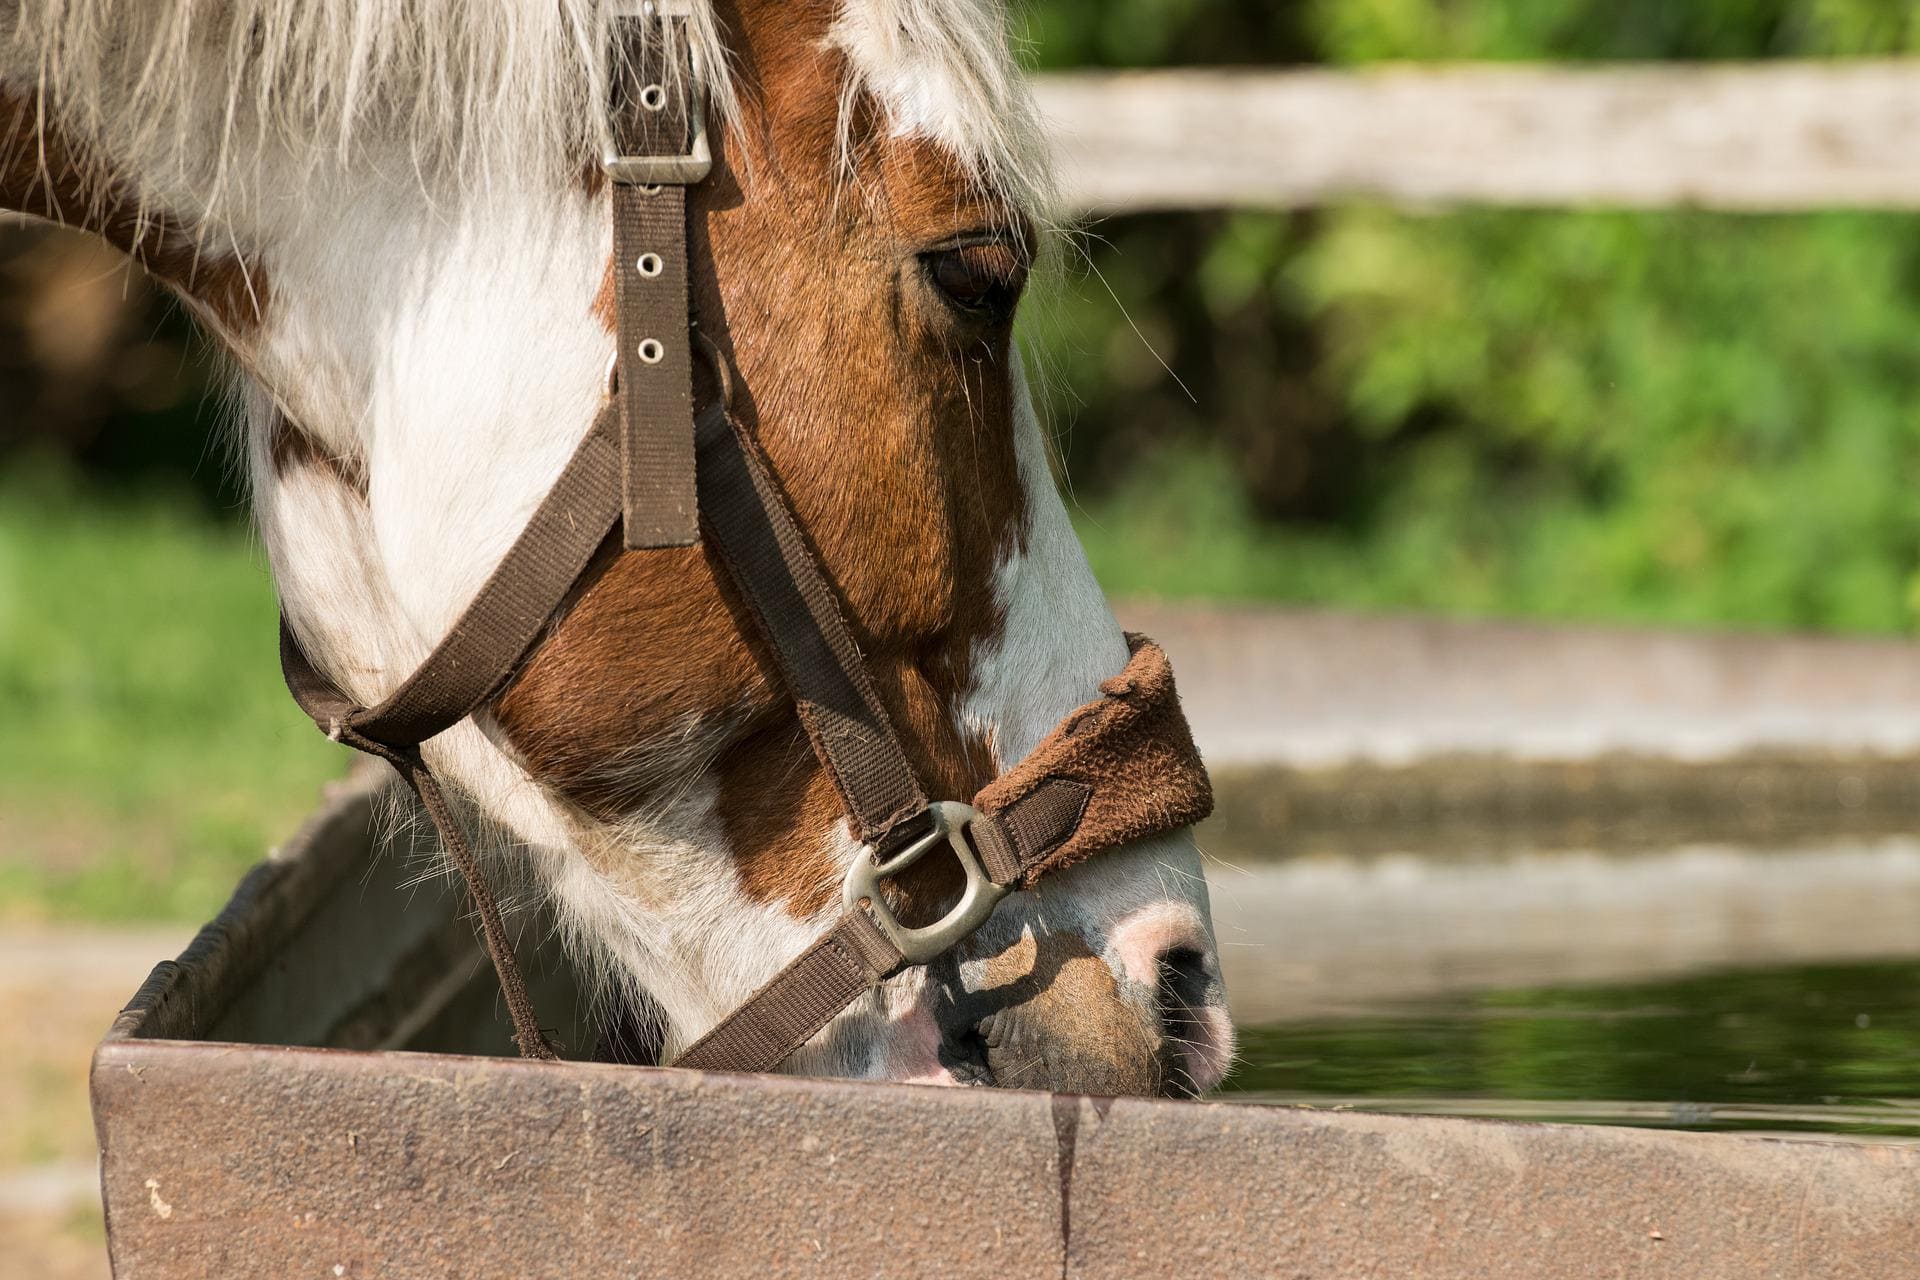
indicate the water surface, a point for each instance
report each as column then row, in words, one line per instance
column 1808, row 1048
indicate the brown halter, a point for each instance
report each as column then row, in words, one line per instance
column 1116, row 770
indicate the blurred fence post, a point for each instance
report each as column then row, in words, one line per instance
column 1773, row 136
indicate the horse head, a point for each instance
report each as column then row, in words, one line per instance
column 392, row 219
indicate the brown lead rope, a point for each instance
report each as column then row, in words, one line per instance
column 321, row 699
column 469, row 665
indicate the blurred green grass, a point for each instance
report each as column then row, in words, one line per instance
column 148, row 751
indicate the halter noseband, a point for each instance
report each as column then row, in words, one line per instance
column 1118, row 769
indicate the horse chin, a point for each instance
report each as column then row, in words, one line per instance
column 916, row 1051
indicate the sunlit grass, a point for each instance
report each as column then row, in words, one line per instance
column 148, row 750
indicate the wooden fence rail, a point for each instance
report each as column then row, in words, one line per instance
column 1752, row 137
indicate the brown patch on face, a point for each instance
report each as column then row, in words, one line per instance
column 42, row 172
column 888, row 418
column 292, row 449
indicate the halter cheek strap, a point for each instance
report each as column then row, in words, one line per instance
column 1119, row 769
column 657, row 148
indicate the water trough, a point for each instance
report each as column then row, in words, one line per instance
column 318, row 1087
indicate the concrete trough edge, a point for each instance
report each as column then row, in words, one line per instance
column 234, row 1159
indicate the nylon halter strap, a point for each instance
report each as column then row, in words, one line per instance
column 1117, row 770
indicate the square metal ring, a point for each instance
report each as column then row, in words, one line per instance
column 977, row 900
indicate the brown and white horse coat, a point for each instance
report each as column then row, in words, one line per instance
column 387, row 213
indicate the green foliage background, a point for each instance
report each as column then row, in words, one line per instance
column 1667, row 416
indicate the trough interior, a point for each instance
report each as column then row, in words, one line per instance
column 353, row 935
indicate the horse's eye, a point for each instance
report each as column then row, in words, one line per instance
column 982, row 280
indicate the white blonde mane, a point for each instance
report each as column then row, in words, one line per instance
column 472, row 92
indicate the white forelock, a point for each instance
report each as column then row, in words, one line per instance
column 943, row 69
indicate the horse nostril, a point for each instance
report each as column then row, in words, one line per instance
column 1184, row 997
column 965, row 1050
column 1183, row 986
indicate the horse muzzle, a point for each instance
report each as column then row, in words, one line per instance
column 1144, row 1015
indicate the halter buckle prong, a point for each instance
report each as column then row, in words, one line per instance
column 977, row 900
column 697, row 161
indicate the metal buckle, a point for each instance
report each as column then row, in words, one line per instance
column 977, row 901
column 681, row 170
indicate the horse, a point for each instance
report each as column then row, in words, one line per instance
column 392, row 221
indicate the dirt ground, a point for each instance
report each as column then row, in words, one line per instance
column 41, row 1246
column 61, row 989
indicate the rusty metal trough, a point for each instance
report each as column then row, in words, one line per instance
column 258, row 1117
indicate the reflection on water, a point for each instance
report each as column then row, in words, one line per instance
column 1817, row 1048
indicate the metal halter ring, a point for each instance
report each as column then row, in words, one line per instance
column 722, row 367
column 977, row 900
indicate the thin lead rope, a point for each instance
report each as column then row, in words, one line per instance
column 527, row 1035
column 335, row 715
